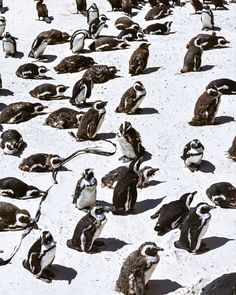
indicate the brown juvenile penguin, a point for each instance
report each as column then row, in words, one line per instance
column 55, row 36
column 74, row 63
column 100, row 73
column 138, row 60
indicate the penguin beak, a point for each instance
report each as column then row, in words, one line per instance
column 45, row 107
column 212, row 207
column 104, row 103
column 194, row 193
column 160, row 249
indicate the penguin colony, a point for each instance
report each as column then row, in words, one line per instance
column 184, row 218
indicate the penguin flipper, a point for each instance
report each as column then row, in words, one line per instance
column 35, row 263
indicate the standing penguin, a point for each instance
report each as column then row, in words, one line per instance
column 81, row 6
column 9, row 45
column 87, row 230
column 41, row 256
column 97, row 25
column 77, row 40
column 138, row 60
column 127, row 7
column 194, row 228
column 42, row 11
column 171, row 215
column 137, row 269
column 192, row 155
column 132, row 99
column 207, row 18
column 82, row 90
column 48, row 91
column 31, row 71
column 2, row 25
column 193, row 57
column 38, row 47
column 197, row 5
column 115, row 4
column 92, row 13
column 85, row 194
column 232, row 150
column 11, row 142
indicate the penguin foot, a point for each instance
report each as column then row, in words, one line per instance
column 70, row 245
column 178, row 245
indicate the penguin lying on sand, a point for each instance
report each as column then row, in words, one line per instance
column 11, row 142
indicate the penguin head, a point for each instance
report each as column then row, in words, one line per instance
column 62, row 88
column 145, row 174
column 99, row 105
column 168, row 24
column 196, row 144
column 144, row 46
column 198, row 42
column 138, row 86
column 47, row 238
column 88, row 174
column 135, row 26
column 93, row 7
column 113, row 70
column 7, row 35
column 79, row 117
column 42, row 70
column 222, row 41
column 140, row 36
column 149, row 249
column 38, row 107
column 124, row 128
column 98, row 213
column 213, row 91
column 55, row 161
column 34, row 192
column 203, row 208
column 11, row 147
column 2, row 20
column 65, row 36
column 103, row 18
column 23, row 218
column 188, row 198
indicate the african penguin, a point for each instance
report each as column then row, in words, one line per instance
column 11, row 142
column 158, row 28
column 97, row 25
column 107, row 43
column 42, row 11
column 55, row 36
column 225, row 284
column 209, row 41
column 138, row 60
column 82, row 90
column 219, row 3
column 92, row 13
column 31, row 71
column 131, row 34
column 9, row 45
column 232, row 150
column 100, row 73
column 197, row 5
column 192, row 155
column 207, row 18
column 224, row 86
column 38, row 47
column 193, row 57
column 48, row 91
column 127, row 7
column 145, row 174
column 74, row 63
column 158, row 12
column 126, row 22
column 77, row 40
column 81, row 6
column 115, row 4
column 2, row 25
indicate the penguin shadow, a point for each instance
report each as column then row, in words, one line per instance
column 5, row 9
column 2, row 106
column 109, row 135
column 207, row 167
column 216, row 29
column 111, row 244
column 206, row 68
column 63, row 273
column 148, row 111
column 146, row 205
column 19, row 54
column 213, row 243
column 48, row 58
column 151, row 70
column 146, row 156
column 223, row 120
column 155, row 182
column 162, row 287
column 6, row 92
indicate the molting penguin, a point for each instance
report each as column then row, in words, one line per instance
column 41, row 163
column 12, row 187
column 225, row 86
column 87, row 230
column 11, row 142
column 194, row 228
column 192, row 155
column 193, row 57
column 171, row 215
column 54, row 36
column 209, row 41
column 19, row 112
column 222, row 194
column 41, row 256
column 225, row 284
column 206, row 107
column 82, row 90
column 42, row 11
column 2, row 25
column 48, row 91
column 158, row 12
column 158, row 28
column 207, row 18
column 81, row 6
column 115, row 4
column 131, row 34
column 9, row 45
column 132, row 99
column 85, row 194
column 145, row 174
column 77, row 40
column 97, row 25
column 126, row 22
column 13, row 218
column 92, row 13
column 100, row 73
column 38, row 47
column 138, row 60
column 232, row 150
column 107, row 43
column 31, row 71
column 197, row 5
column 74, row 63
column 137, row 269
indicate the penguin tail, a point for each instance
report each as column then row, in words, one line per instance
column 69, row 244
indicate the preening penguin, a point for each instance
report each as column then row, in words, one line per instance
column 97, row 25
column 192, row 155
column 38, row 47
column 107, row 43
column 158, row 28
column 87, row 230
column 55, row 36
column 82, row 90
column 232, row 150
column 92, row 13
column 193, row 57
column 41, row 256
column 2, row 25
column 171, row 215
column 126, row 22
column 81, row 6
column 74, row 63
column 11, row 142
column 209, row 41
column 194, row 228
column 207, row 18
column 31, row 71
column 77, row 40
column 158, row 12
column 138, row 60
column 137, row 269
column 9, row 45
column 48, row 91
column 100, row 73
column 225, row 86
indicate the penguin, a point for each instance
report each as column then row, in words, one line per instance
column 92, row 13
column 206, row 108
column 81, row 6
column 15, row 188
column 138, row 268
column 145, row 174
column 194, row 228
column 138, row 60
column 48, row 91
column 193, row 57
column 219, row 4
column 11, row 142
column 1, row 7
column 232, row 150
column 38, row 47
column 158, row 29
column 131, row 35
column 192, row 155
column 82, row 90
column 42, row 11
column 224, row 86
column 77, row 40
column 41, row 163
column 225, row 284
column 207, row 18
column 97, row 25
column 109, row 179
column 2, row 25
column 209, row 41
column 0, row 81
column 55, row 36
column 107, row 43
column 19, row 112
column 130, row 142
column 100, row 73
column 9, row 45
column 115, row 4
column 31, row 71
column 41, row 256
column 87, row 230
column 158, row 12
column 85, row 194
column 64, row 118
column 197, row 5
column 171, row 215
column 125, row 22
column 222, row 194
column 74, row 63
column 13, row 218
column 131, row 99
column 91, row 121
column 127, row 7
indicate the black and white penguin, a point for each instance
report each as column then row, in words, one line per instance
column 15, row 188
column 197, row 5
column 131, row 99
column 219, row 4
column 193, row 57
column 41, row 256
column 92, row 13
column 192, row 155
column 158, row 28
column 19, row 112
column 77, row 40
column 74, row 63
column 81, row 6
column 232, row 150
column 130, row 142
column 2, row 25
column 222, row 194
column 158, row 12
column 194, row 228
column 38, row 47
column 91, row 121
column 209, row 41
column 171, row 215
column 97, row 25
column 87, row 230
column 125, row 22
column 13, row 218
column 64, row 118
column 145, row 174
column 42, row 11
column 206, row 107
column 107, row 43
column 48, row 91
column 115, row 4
column 9, row 45
column 100, row 73
column 82, row 90
column 224, row 85
column 55, row 36
column 138, row 60
column 11, row 142
column 131, row 34
column 85, row 193
column 207, row 18
column 41, row 163
column 225, row 284
column 31, row 71
column 127, row 7
column 138, row 268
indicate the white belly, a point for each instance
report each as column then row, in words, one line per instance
column 99, row 230
column 99, row 124
column 194, row 159
column 202, row 233
column 149, row 272
column 126, row 148
column 39, row 51
column 78, row 44
column 137, row 105
column 2, row 29
column 87, row 198
column 80, row 97
column 9, row 48
column 206, row 21
column 47, row 259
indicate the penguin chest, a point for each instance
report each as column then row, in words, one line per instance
column 151, row 266
column 204, row 227
column 99, row 228
column 194, row 157
column 48, row 256
column 99, row 124
column 206, row 20
column 78, row 44
column 80, row 96
column 98, row 30
column 126, row 148
column 40, row 50
column 9, row 47
column 87, row 197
